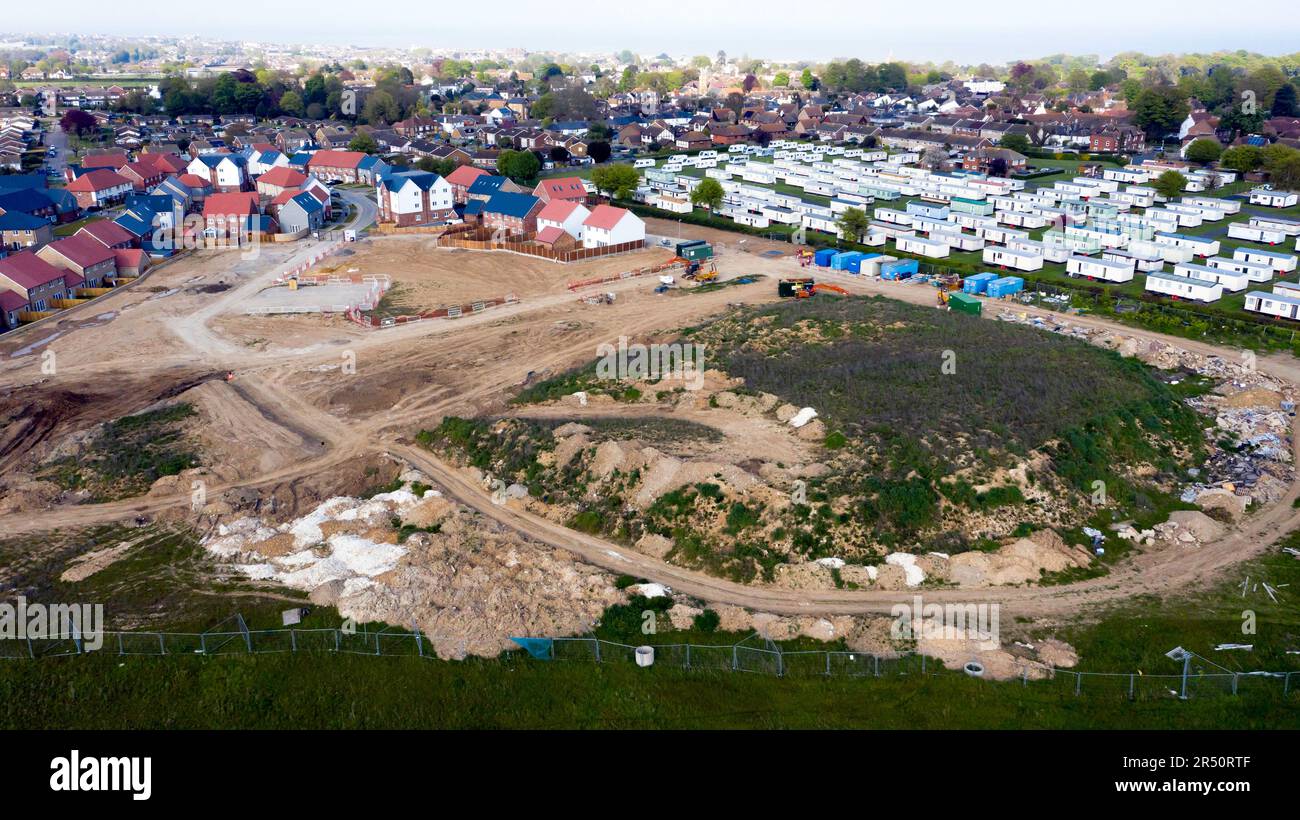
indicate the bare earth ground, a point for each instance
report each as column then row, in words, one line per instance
column 315, row 400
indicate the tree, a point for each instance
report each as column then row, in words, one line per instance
column 1204, row 150
column 807, row 80
column 291, row 103
column 1015, row 142
column 853, row 224
column 1242, row 158
column 559, row 154
column 599, row 151
column 1170, row 184
column 781, row 80
column 1158, row 110
column 364, row 143
column 1284, row 102
column 521, row 166
column 617, row 181
column 78, row 121
column 707, row 194
column 1283, row 166
column 380, row 108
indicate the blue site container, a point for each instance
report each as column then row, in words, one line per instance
column 823, row 257
column 855, row 264
column 898, row 269
column 977, row 282
column 841, row 261
column 1006, row 286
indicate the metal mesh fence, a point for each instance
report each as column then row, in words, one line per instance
column 756, row 657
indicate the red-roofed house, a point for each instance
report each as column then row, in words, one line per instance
column 565, row 215
column 35, row 281
column 342, row 166
column 570, row 188
column 107, row 233
column 99, row 188
column 231, row 214
column 609, row 225
column 131, row 261
column 11, row 304
column 112, row 161
column 278, row 180
column 82, row 255
column 555, row 239
column 167, row 163
column 143, row 175
column 461, row 179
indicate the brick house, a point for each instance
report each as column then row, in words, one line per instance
column 99, row 188
column 84, row 256
column 515, row 213
column 414, row 198
column 35, row 281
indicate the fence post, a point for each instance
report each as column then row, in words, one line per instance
column 1131, row 680
column 377, row 652
column 336, row 640
column 30, row 651
column 1286, row 685
column 1024, row 676
column 876, row 663
column 203, row 644
column 1078, row 683
column 1234, row 683
column 735, row 660
column 162, row 645
column 828, row 664
column 688, row 656
column 293, row 640
column 120, row 649
column 597, row 642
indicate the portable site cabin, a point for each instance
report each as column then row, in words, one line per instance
column 964, row 303
column 1255, row 271
column 1004, row 287
column 1198, row 245
column 1290, row 227
column 1280, row 304
column 1106, row 270
column 1273, row 199
column 1254, row 233
column 824, row 256
column 1279, row 262
column 932, row 248
column 978, row 282
column 841, row 261
column 1181, row 287
column 869, row 263
column 694, row 250
column 899, row 269
column 1016, row 260
column 1146, row 264
column 1231, row 280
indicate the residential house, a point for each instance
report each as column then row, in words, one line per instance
column 570, row 188
column 608, row 225
column 35, row 281
column 19, row 230
column 225, row 172
column 108, row 233
column 567, row 215
column 99, row 188
column 461, row 179
column 298, row 211
column 278, row 180
column 83, row 255
column 414, row 198
column 231, row 215
column 346, row 166
column 515, row 213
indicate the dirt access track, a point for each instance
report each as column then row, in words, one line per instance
column 295, row 413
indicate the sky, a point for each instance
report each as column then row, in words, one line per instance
column 965, row 31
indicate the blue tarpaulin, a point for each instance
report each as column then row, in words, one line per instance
column 539, row 648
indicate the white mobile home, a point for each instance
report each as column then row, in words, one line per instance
column 1146, row 264
column 894, row 217
column 911, row 243
column 1283, row 305
column 1181, row 287
column 1228, row 206
column 1273, row 199
column 1279, row 262
column 1229, row 279
column 1022, row 219
column 1254, row 233
column 1016, row 260
column 1050, row 253
column 1199, row 245
column 1125, row 175
column 1206, row 213
column 1290, row 227
column 1001, row 235
column 1255, row 271
column 1107, row 270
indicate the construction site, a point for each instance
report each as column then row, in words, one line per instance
column 346, row 409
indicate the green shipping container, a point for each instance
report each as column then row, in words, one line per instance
column 964, row 303
column 695, row 251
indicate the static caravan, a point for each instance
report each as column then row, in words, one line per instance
column 1199, row 245
column 1273, row 199
column 1050, row 253
column 894, row 217
column 1290, row 227
column 1103, row 239
column 1146, row 264
column 928, row 209
column 1181, row 287
column 1023, row 219
column 967, row 205
column 958, row 240
column 1229, row 279
column 1253, row 233
column 1282, row 305
column 932, row 248
column 1206, row 214
column 753, row 220
column 1002, row 235
column 1279, row 262
column 1108, row 270
column 644, row 163
column 889, row 229
column 1255, row 271
column 816, row 222
column 1209, row 212
column 1134, row 199
column 1016, row 260
column 972, row 221
column 1186, row 217
column 1125, row 175
column 1228, row 206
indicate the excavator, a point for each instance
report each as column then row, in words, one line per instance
column 804, row 288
